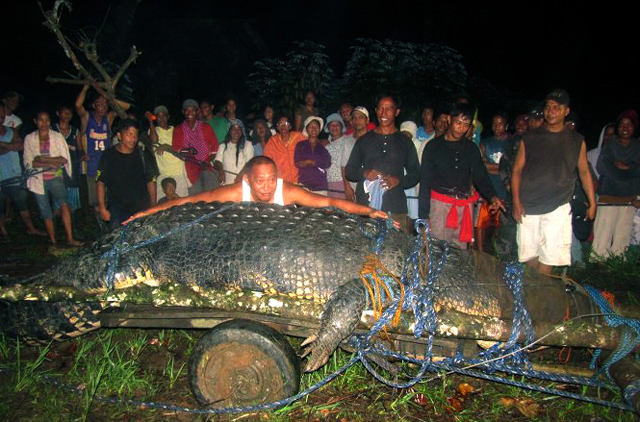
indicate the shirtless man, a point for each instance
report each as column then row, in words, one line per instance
column 260, row 183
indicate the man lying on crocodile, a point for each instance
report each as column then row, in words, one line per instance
column 260, row 183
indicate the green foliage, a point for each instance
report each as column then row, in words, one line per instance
column 283, row 81
column 416, row 72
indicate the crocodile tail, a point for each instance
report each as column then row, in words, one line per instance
column 41, row 322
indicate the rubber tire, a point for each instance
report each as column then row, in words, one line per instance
column 243, row 363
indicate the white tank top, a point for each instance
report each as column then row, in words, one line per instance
column 278, row 199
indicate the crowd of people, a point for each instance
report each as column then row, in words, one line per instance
column 526, row 193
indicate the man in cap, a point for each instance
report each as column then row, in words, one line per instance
column 198, row 137
column 542, row 183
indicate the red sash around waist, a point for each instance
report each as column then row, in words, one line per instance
column 466, row 227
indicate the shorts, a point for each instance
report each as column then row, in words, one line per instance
column 58, row 191
column 546, row 237
column 17, row 194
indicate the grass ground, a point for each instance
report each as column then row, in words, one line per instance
column 150, row 365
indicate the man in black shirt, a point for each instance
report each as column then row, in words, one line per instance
column 451, row 165
column 384, row 163
column 542, row 183
column 126, row 177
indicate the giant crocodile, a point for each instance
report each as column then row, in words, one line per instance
column 311, row 255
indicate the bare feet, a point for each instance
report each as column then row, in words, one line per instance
column 76, row 243
column 36, row 232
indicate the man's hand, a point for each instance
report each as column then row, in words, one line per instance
column 591, row 212
column 221, row 176
column 372, row 174
column 105, row 215
column 85, row 157
column 136, row 216
column 518, row 211
column 161, row 149
column 497, row 204
column 390, row 182
column 349, row 193
column 621, row 165
column 383, row 215
column 306, row 163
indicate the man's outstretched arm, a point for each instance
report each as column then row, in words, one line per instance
column 230, row 193
column 296, row 195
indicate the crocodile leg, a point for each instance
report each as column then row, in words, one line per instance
column 339, row 318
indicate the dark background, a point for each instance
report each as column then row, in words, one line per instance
column 207, row 48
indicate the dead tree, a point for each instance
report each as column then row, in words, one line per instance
column 104, row 83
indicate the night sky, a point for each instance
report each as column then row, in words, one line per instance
column 524, row 47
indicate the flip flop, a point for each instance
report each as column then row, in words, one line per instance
column 76, row 243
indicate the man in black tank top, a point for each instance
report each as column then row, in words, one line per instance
column 542, row 183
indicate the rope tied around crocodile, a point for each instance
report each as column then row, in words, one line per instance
column 415, row 290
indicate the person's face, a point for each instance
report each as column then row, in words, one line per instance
column 427, row 116
column 231, row 107
column 345, row 112
column 313, row 129
column 261, row 130
column 268, row 114
column 169, row 189
column 442, row 124
column 309, row 99
column 521, row 127
column 128, row 137
column 65, row 115
column 206, row 108
column 190, row 114
column 609, row 133
column 162, row 118
column 263, row 181
column 554, row 112
column 359, row 121
column 100, row 107
column 387, row 111
column 625, row 128
column 335, row 130
column 499, row 126
column 43, row 122
column 236, row 133
column 459, row 127
column 11, row 103
column 535, row 122
column 3, row 113
column 284, row 126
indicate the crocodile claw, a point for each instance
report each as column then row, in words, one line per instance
column 339, row 318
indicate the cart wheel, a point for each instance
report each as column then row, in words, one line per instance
column 242, row 363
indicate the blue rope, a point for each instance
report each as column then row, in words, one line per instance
column 628, row 343
column 419, row 297
column 121, row 247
